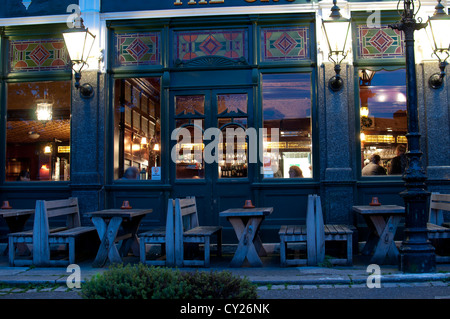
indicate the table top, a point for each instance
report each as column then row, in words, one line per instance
column 16, row 212
column 379, row 210
column 243, row 212
column 118, row 212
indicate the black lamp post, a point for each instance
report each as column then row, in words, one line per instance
column 416, row 252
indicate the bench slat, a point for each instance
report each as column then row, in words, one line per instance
column 73, row 231
column 62, row 211
column 202, row 231
column 61, row 203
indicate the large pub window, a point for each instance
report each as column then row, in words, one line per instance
column 137, row 129
column 382, row 96
column 286, row 100
column 38, row 131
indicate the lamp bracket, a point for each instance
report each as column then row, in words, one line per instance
column 437, row 79
column 86, row 90
column 336, row 83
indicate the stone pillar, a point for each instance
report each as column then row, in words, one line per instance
column 87, row 144
column 434, row 120
column 88, row 121
column 336, row 139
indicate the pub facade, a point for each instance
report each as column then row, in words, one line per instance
column 172, row 80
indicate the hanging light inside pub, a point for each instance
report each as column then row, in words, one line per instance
column 44, row 108
column 336, row 31
column 439, row 25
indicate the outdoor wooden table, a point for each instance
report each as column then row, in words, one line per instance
column 16, row 220
column 108, row 223
column 246, row 223
column 382, row 221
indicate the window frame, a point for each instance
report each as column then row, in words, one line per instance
column 391, row 64
column 6, row 77
column 314, row 125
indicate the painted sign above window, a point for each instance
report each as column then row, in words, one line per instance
column 120, row 5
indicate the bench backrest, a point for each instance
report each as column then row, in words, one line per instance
column 64, row 207
column 438, row 204
column 170, row 233
column 315, row 232
column 186, row 218
column 187, row 214
column 41, row 229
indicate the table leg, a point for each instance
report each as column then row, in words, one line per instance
column 385, row 250
column 107, row 232
column 372, row 239
column 131, row 227
column 17, row 224
column 246, row 247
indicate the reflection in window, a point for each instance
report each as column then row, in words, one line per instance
column 287, row 107
column 189, row 115
column 38, row 131
column 383, row 121
column 137, row 128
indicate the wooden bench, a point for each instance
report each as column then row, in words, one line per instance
column 314, row 234
column 163, row 236
column 188, row 230
column 435, row 226
column 42, row 236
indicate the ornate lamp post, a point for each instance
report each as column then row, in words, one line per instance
column 416, row 252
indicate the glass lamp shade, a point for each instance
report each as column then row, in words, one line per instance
column 336, row 33
column 364, row 111
column 439, row 29
column 79, row 42
column 44, row 111
column 365, row 76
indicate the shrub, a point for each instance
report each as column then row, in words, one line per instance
column 142, row 282
column 218, row 285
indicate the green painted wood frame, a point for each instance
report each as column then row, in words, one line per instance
column 167, row 27
column 24, row 33
column 391, row 64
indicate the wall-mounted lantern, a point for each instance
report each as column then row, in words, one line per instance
column 79, row 42
column 439, row 25
column 336, row 31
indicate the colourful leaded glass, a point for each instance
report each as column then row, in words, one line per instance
column 138, row 49
column 285, row 44
column 38, row 55
column 225, row 43
column 381, row 42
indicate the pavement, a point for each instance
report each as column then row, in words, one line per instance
column 269, row 274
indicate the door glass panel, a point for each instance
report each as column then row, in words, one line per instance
column 232, row 104
column 383, row 122
column 233, row 149
column 287, row 107
column 189, row 122
column 232, row 121
column 190, row 105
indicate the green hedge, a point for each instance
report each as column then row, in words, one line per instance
column 142, row 282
